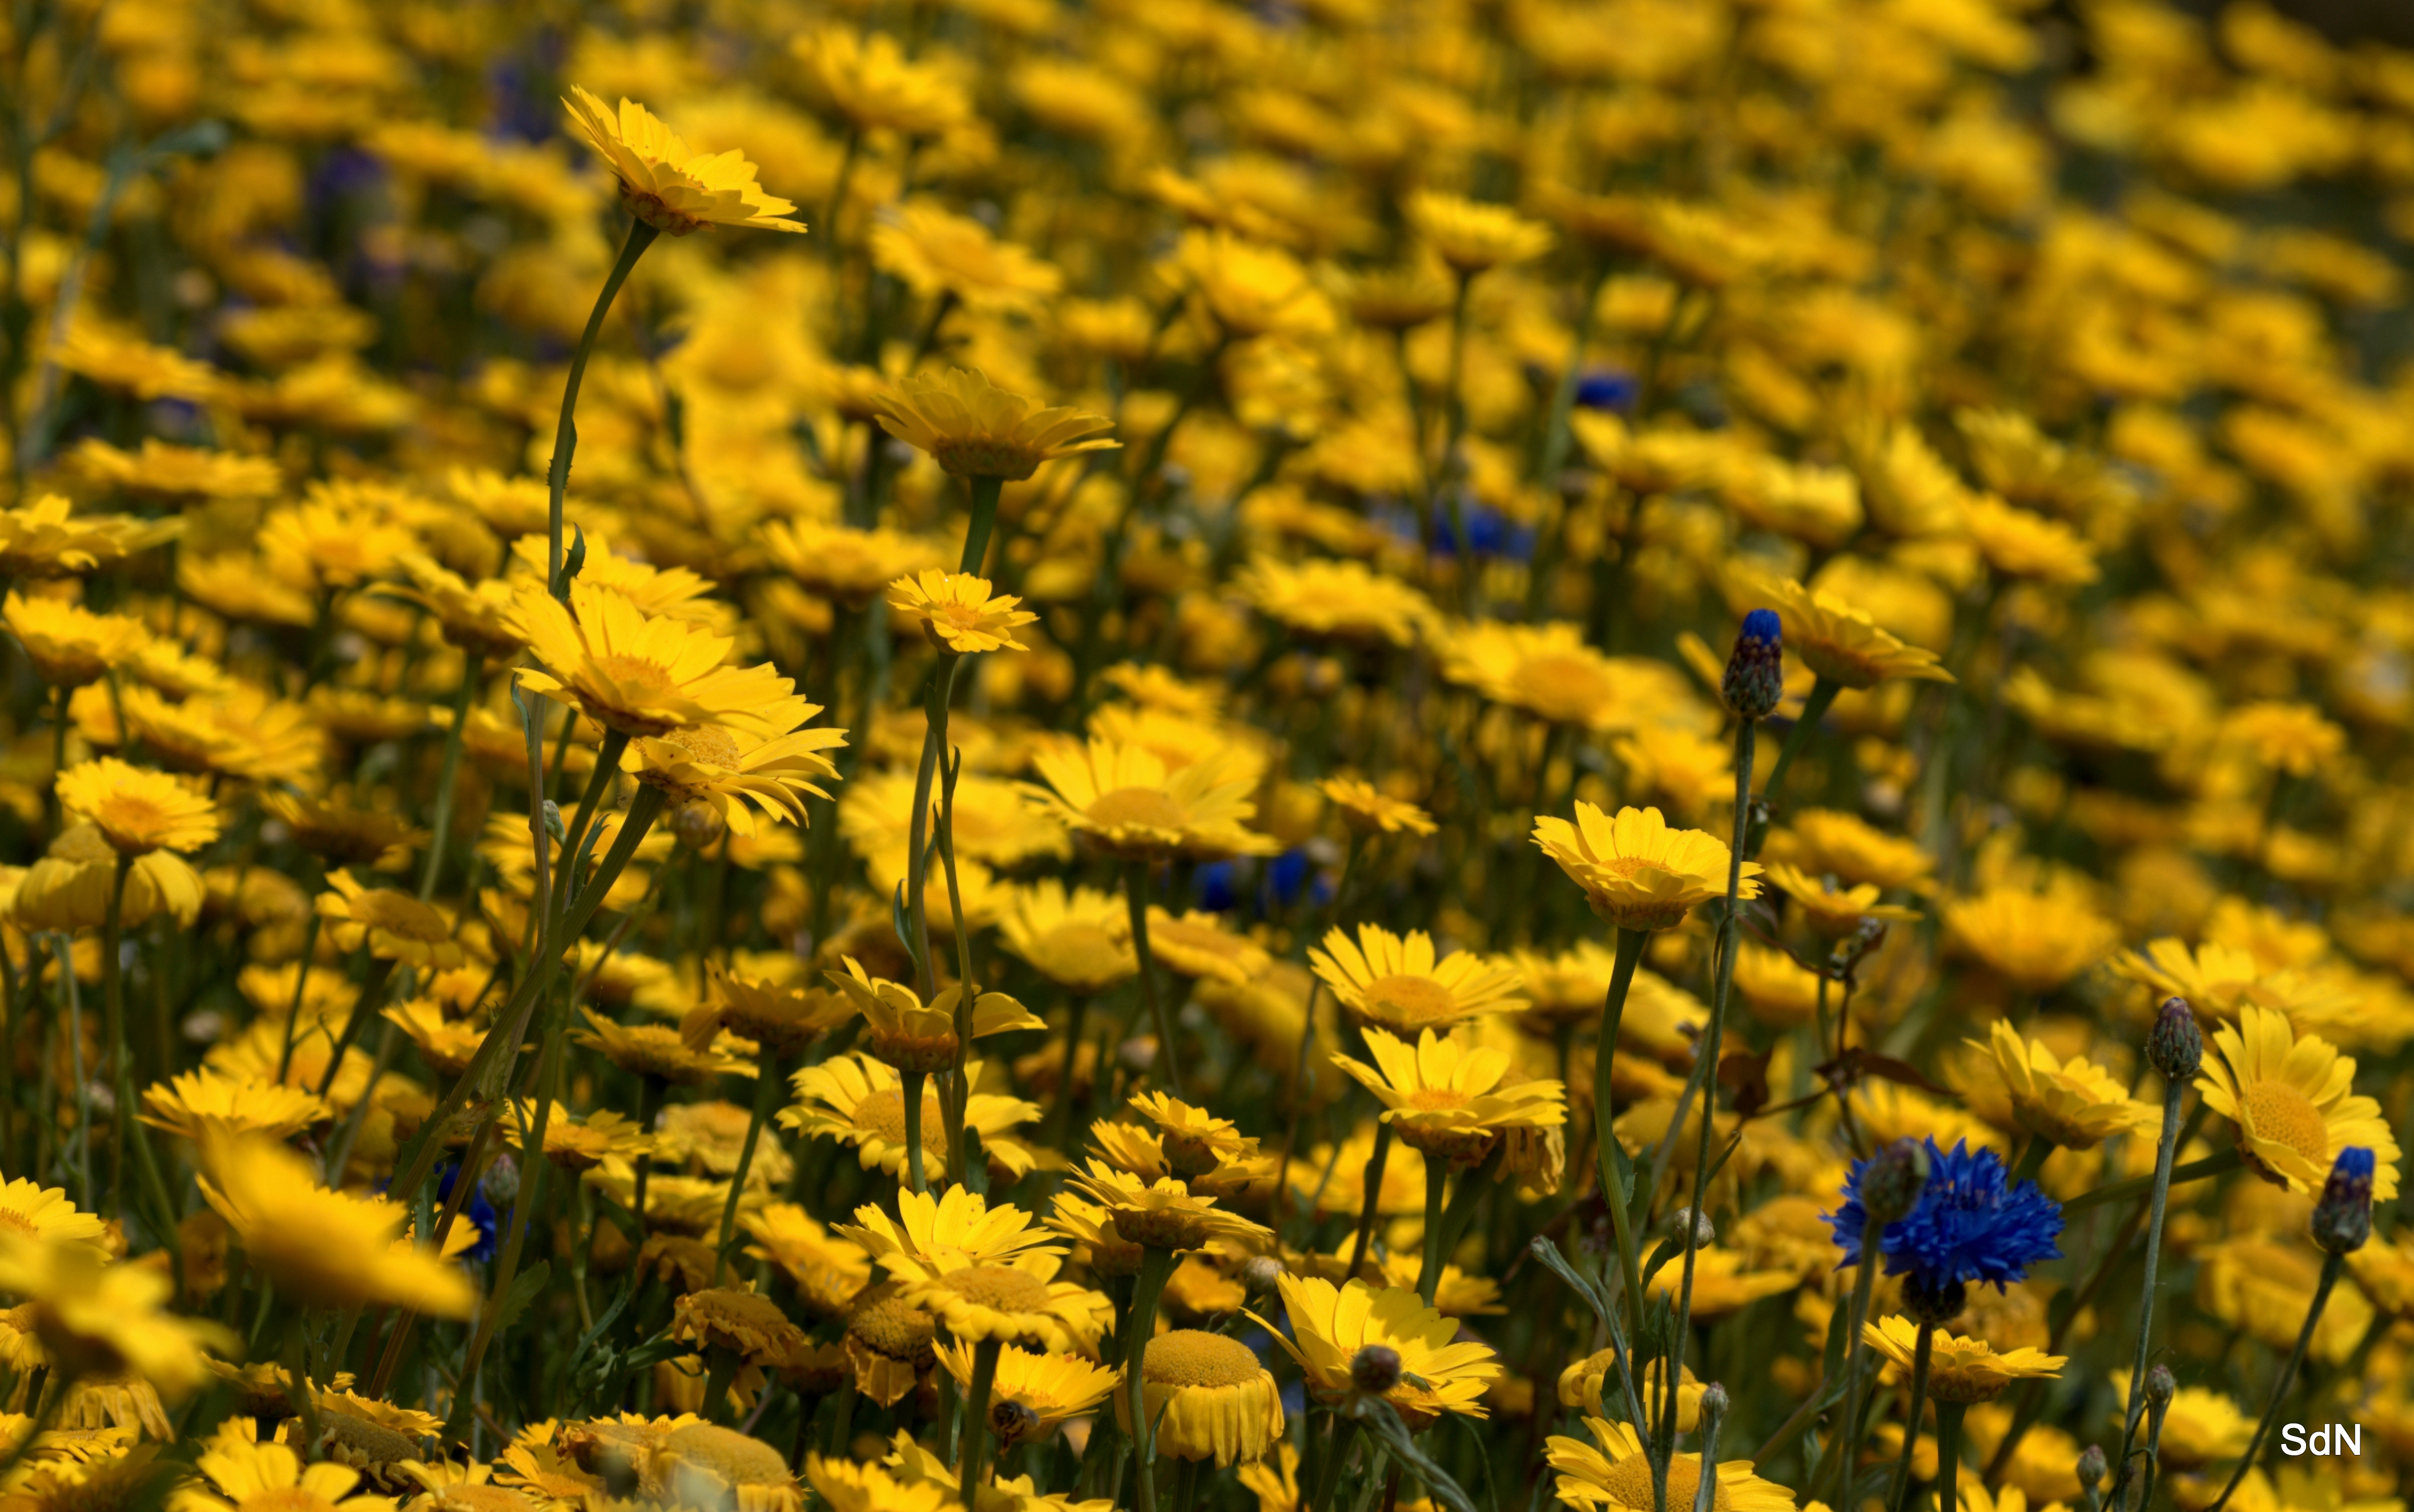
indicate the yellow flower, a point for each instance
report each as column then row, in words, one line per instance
column 1616, row 1475
column 659, row 1051
column 644, row 674
column 1367, row 810
column 1208, row 1398
column 68, row 888
column 736, row 772
column 841, row 562
column 2292, row 737
column 1164, row 1214
column 983, row 1271
column 1251, row 289
column 1548, row 671
column 721, row 1317
column 2074, row 1103
column 202, row 1104
column 2036, row 940
column 1448, row 1099
column 395, row 925
column 861, row 1102
column 1079, row 939
column 1635, row 871
column 323, row 1248
column 974, row 429
column 1127, row 800
column 44, row 539
column 1838, row 642
column 1833, row 911
column 255, row 1478
column 779, row 1016
column 956, row 612
column 1960, row 1370
column 665, row 183
column 1054, row 1387
column 938, row 253
column 829, row 1269
column 1724, row 1281
column 1345, row 601
column 2200, row 1427
column 2263, row 1288
column 476, row 617
column 1194, row 1140
column 900, row 1030
column 69, row 645
column 335, row 830
column 578, row 1145
column 48, row 1213
column 1472, row 237
column 2294, row 1104
column 2018, row 544
column 867, row 76
column 1330, row 1324
column 1385, row 980
column 137, row 810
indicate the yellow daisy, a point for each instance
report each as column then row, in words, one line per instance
column 1330, row 1324
column 900, row 1030
column 665, row 183
column 2074, row 1103
column 974, row 429
column 2294, row 1104
column 1613, row 1474
column 956, row 612
column 1130, row 804
column 137, row 810
column 1389, row 981
column 1636, row 872
column 1960, row 1370
column 644, row 674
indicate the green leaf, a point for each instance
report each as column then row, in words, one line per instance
column 524, row 1287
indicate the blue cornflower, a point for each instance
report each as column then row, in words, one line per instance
column 1970, row 1224
column 478, row 1210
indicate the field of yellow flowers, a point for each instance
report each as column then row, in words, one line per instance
column 1055, row 755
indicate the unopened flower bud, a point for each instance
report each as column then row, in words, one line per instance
column 2160, row 1387
column 1375, row 1369
column 696, row 825
column 503, row 1183
column 2175, row 1046
column 1260, row 1274
column 1755, row 675
column 1714, row 1402
column 1892, row 1181
column 1705, row 1233
column 2343, row 1218
column 2091, row 1467
column 1013, row 1423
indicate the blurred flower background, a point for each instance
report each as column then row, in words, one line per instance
column 1170, row 753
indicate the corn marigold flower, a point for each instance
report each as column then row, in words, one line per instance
column 1250, row 288
column 938, row 253
column 1962, row 1370
column 203, row 1105
column 1449, row 1100
column 69, row 645
column 137, row 810
column 2264, row 1287
column 1613, row 1474
column 956, row 612
column 1472, row 237
column 1833, row 911
column 46, row 539
column 1369, row 811
column 395, row 925
column 644, row 674
column 903, row 1031
column 2036, row 940
column 1208, row 1398
column 2019, row 544
column 2074, row 1103
column 1129, row 804
column 974, row 429
column 1635, row 871
column 860, row 1102
column 665, row 183
column 844, row 563
column 1079, row 939
column 1164, row 1213
column 1837, row 642
column 2292, row 1101
column 737, row 774
column 68, row 888
column 869, row 80
column 1330, row 1324
column 323, row 1248
column 1399, row 983
column 1052, row 1387
column 2293, row 738
column 1341, row 601
column 343, row 833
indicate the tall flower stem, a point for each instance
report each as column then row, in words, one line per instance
column 1136, row 895
column 565, row 433
column 1444, row 479
column 1446, row 1225
column 766, row 1096
column 1706, row 1077
column 985, row 492
column 2287, row 1377
column 1345, row 1428
column 1844, row 1448
column 2173, row 1091
column 935, row 699
column 1612, row 1011
column 1949, row 1455
column 1155, row 1268
column 1815, row 709
column 1374, row 1194
column 440, row 826
column 1917, row 1397
column 974, row 1463
column 910, row 1088
column 1060, row 1117
column 1436, row 1187
column 130, row 1133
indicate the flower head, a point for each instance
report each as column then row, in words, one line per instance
column 975, row 428
column 2292, row 1101
column 1330, row 1324
column 667, row 184
column 1969, row 1225
column 1961, row 1369
column 958, row 613
column 137, row 810
column 1636, row 872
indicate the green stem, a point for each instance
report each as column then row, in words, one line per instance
column 1918, row 1396
column 767, row 1097
column 1613, row 1009
column 1472, row 1183
column 534, row 1166
column 440, row 824
column 1707, row 1078
column 1337, row 1450
column 1437, row 1184
column 2032, row 1157
column 1949, row 1455
column 1136, row 895
column 1374, row 1194
column 1815, row 709
column 1844, row 1448
column 2218, row 1164
column 650, row 1101
column 2330, row 1264
column 985, row 492
column 974, row 1465
column 936, row 697
column 1060, row 1117
column 112, row 1008
column 364, row 1006
column 1155, row 1268
column 565, row 434
column 912, row 1093
column 721, row 1369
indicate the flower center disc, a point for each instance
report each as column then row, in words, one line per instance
column 995, row 1286
column 635, row 673
column 1081, row 949
column 1190, row 1358
column 1148, row 808
column 1630, row 1484
column 884, row 1113
column 1409, row 999
column 2285, row 1116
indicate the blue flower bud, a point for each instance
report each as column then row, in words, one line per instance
column 1755, row 675
column 2343, row 1218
